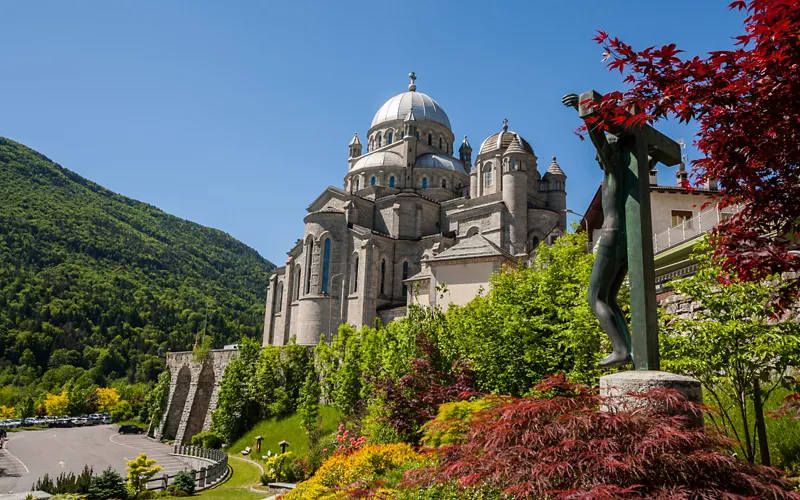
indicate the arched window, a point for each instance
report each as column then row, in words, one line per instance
column 358, row 184
column 383, row 276
column 489, row 176
column 444, row 183
column 440, row 143
column 391, row 181
column 430, row 140
column 534, row 242
column 472, row 231
column 354, row 274
column 279, row 297
column 402, row 134
column 405, row 277
column 372, row 181
column 416, row 134
column 380, row 140
column 296, row 284
column 326, row 266
column 389, row 138
column 309, row 260
column 513, row 164
column 424, row 183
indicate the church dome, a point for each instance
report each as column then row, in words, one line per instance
column 398, row 107
column 502, row 140
column 443, row 162
column 379, row 159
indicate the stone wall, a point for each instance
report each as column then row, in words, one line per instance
column 193, row 393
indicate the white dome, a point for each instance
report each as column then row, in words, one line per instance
column 443, row 162
column 424, row 108
column 379, row 159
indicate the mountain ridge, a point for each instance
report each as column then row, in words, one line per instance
column 88, row 274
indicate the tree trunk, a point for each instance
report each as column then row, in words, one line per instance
column 761, row 427
column 749, row 449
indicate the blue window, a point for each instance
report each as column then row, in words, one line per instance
column 416, row 134
column 391, row 181
column 309, row 260
column 424, row 183
column 389, row 138
column 326, row 266
column 402, row 134
column 380, row 140
column 372, row 181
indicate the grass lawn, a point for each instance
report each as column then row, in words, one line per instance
column 245, row 474
column 286, row 429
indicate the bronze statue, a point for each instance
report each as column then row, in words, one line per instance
column 626, row 243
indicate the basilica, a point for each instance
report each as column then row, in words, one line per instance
column 415, row 222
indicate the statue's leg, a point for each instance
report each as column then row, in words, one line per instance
column 610, row 263
column 622, row 323
column 601, row 287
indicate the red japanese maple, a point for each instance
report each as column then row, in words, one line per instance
column 747, row 104
column 563, row 447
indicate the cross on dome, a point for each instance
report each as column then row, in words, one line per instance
column 505, row 125
column 411, row 86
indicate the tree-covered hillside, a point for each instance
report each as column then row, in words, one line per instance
column 97, row 281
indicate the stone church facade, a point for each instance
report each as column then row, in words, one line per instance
column 412, row 215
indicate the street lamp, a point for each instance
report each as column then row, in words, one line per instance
column 330, row 309
column 582, row 216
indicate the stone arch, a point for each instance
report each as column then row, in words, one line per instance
column 473, row 231
column 175, row 411
column 202, row 400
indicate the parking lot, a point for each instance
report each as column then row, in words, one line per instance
column 28, row 455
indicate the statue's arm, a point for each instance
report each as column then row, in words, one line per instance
column 597, row 136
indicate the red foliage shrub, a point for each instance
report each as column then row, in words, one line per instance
column 564, row 447
column 414, row 399
column 790, row 407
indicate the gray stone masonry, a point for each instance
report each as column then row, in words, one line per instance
column 619, row 389
column 193, row 393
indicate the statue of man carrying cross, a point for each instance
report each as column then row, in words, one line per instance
column 626, row 156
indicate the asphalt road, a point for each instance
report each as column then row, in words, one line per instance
column 29, row 455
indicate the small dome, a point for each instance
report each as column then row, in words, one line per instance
column 423, row 107
column 443, row 162
column 555, row 169
column 379, row 159
column 502, row 140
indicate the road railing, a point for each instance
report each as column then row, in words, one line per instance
column 691, row 228
column 204, row 476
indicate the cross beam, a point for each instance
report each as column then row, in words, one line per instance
column 638, row 146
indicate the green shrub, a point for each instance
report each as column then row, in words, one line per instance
column 280, row 468
column 107, row 486
column 184, row 481
column 452, row 423
column 122, row 411
column 207, row 439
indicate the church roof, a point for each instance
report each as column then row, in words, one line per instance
column 355, row 140
column 474, row 247
column 440, row 161
column 422, row 106
column 379, row 159
column 555, row 169
column 503, row 139
column 515, row 146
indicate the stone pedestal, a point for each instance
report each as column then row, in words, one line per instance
column 615, row 389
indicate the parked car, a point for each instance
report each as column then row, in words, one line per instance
column 130, row 429
column 64, row 422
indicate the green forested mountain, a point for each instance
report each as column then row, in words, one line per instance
column 94, row 283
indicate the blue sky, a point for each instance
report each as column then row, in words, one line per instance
column 238, row 114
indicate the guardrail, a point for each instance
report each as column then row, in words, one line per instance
column 691, row 228
column 203, row 478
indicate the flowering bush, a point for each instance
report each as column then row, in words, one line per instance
column 564, row 447
column 346, row 443
column 368, row 472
